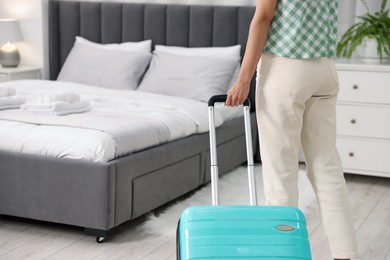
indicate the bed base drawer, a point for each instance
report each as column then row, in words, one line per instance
column 151, row 190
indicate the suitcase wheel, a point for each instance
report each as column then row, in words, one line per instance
column 100, row 240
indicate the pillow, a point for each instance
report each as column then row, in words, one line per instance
column 143, row 46
column 230, row 51
column 101, row 67
column 188, row 76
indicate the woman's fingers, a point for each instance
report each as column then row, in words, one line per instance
column 233, row 100
column 236, row 95
column 228, row 101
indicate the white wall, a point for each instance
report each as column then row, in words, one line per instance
column 346, row 15
column 30, row 14
column 373, row 6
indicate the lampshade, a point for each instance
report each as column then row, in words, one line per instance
column 10, row 31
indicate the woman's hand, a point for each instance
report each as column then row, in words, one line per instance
column 237, row 94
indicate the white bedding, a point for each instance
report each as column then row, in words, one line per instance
column 119, row 123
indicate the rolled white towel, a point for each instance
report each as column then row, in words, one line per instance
column 57, row 108
column 11, row 102
column 7, row 91
column 53, row 96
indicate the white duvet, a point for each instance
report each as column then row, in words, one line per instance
column 119, row 123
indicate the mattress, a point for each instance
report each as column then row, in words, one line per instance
column 119, row 123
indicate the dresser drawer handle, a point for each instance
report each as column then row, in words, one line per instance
column 353, row 121
column 355, row 86
column 351, row 154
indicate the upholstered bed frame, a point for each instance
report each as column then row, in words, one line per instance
column 101, row 196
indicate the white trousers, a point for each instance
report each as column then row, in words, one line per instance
column 296, row 107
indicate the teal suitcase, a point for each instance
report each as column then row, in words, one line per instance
column 240, row 232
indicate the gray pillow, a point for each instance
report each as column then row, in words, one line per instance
column 104, row 68
column 187, row 76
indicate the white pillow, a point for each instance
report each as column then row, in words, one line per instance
column 188, row 76
column 229, row 51
column 101, row 67
column 143, row 46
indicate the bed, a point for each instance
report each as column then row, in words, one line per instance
column 100, row 196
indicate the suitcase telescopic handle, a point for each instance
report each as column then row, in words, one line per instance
column 213, row 150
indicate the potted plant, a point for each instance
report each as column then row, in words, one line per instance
column 372, row 29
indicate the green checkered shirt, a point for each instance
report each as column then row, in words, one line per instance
column 303, row 29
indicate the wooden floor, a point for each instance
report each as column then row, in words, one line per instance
column 27, row 239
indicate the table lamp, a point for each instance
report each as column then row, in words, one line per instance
column 10, row 33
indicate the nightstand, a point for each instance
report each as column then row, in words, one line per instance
column 363, row 118
column 20, row 72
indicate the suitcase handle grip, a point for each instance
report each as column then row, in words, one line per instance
column 222, row 98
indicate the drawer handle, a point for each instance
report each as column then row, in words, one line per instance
column 355, row 86
column 351, row 154
column 353, row 121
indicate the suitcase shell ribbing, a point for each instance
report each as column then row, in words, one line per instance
column 243, row 232
column 240, row 232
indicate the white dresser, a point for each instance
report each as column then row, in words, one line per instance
column 363, row 118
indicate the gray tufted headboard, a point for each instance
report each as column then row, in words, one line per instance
column 114, row 22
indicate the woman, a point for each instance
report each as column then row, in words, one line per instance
column 296, row 92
